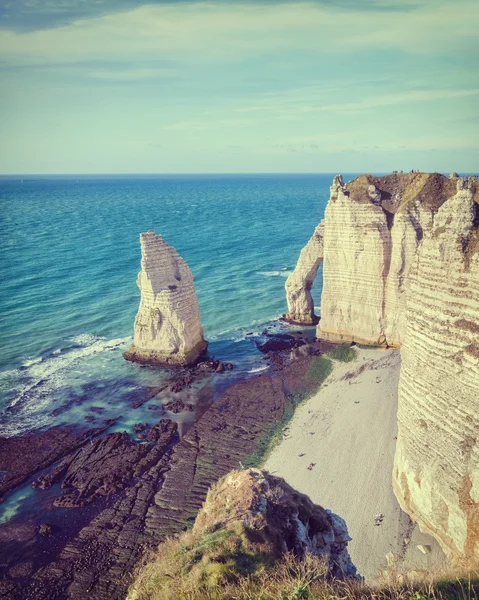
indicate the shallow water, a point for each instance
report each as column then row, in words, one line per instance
column 71, row 254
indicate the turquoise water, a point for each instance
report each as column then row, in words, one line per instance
column 70, row 257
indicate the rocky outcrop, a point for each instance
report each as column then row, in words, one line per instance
column 251, row 525
column 299, row 283
column 436, row 472
column 22, row 456
column 168, row 329
column 277, row 517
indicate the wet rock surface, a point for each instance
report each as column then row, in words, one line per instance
column 21, row 457
column 45, row 530
column 134, row 493
column 177, row 406
column 277, row 342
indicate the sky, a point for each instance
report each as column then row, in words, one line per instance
column 173, row 86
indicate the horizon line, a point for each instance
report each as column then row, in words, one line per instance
column 192, row 173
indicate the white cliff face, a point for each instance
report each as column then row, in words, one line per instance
column 410, row 222
column 356, row 256
column 167, row 326
column 299, row 283
column 436, row 472
column 401, row 268
column 371, row 235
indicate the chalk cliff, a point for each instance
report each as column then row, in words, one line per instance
column 373, row 227
column 299, row 283
column 167, row 328
column 401, row 268
column 436, row 472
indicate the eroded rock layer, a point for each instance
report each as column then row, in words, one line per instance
column 167, row 326
column 436, row 472
column 299, row 283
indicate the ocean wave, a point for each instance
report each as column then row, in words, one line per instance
column 36, row 381
column 84, row 339
column 283, row 273
column 30, row 362
column 258, row 369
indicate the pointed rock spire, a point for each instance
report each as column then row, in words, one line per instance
column 167, row 329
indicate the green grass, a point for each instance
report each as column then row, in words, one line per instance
column 228, row 567
column 369, row 347
column 270, row 438
column 343, row 353
column 319, row 369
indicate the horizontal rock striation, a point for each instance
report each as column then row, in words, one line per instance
column 134, row 494
column 373, row 227
column 436, row 472
column 299, row 283
column 167, row 329
column 401, row 268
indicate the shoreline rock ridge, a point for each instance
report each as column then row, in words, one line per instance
column 167, row 328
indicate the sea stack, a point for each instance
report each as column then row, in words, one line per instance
column 168, row 329
column 299, row 283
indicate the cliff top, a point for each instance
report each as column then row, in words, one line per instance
column 398, row 189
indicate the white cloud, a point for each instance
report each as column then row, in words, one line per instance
column 219, row 32
column 129, row 74
column 272, row 77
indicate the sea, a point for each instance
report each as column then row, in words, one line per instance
column 70, row 257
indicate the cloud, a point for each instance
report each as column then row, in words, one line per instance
column 207, row 124
column 228, row 31
column 283, row 80
column 30, row 15
column 369, row 103
column 133, row 75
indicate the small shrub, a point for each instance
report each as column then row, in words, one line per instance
column 343, row 353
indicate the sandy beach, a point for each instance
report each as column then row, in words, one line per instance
column 347, row 432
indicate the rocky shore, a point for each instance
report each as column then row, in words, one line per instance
column 111, row 496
